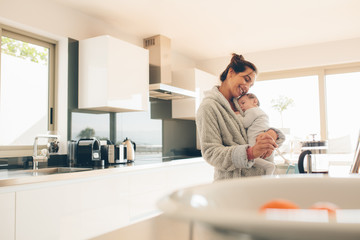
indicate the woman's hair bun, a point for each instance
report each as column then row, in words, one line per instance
column 238, row 64
column 238, row 57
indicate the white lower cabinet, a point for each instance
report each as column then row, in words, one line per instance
column 186, row 176
column 146, row 188
column 88, row 207
column 7, row 216
column 77, row 210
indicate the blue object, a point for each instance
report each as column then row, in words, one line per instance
column 292, row 169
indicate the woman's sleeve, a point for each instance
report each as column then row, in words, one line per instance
column 225, row 158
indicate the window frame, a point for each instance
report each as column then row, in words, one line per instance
column 321, row 72
column 27, row 150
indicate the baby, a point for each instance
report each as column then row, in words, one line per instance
column 256, row 121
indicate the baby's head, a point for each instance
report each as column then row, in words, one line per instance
column 247, row 101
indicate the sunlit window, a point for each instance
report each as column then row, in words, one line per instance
column 26, row 89
column 342, row 96
column 292, row 104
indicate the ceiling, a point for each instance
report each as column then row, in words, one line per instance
column 206, row 29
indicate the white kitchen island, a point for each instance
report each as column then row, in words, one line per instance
column 82, row 205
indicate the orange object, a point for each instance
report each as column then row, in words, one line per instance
column 278, row 204
column 330, row 207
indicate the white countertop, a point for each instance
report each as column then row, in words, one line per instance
column 9, row 179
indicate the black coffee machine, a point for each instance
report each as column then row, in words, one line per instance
column 88, row 152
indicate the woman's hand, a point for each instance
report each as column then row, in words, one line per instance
column 264, row 146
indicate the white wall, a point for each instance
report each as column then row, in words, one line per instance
column 51, row 18
column 329, row 53
column 179, row 61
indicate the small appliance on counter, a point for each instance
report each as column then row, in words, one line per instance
column 107, row 152
column 116, row 154
column 129, row 150
column 316, row 158
column 88, row 152
column 111, row 153
column 120, row 155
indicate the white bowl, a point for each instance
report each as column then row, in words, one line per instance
column 233, row 206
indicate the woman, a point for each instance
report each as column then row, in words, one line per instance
column 223, row 137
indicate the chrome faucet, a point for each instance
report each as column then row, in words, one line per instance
column 41, row 158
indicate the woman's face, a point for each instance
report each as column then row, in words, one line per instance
column 240, row 83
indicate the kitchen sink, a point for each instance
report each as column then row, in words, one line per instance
column 47, row 171
column 16, row 177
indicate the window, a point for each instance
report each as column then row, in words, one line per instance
column 301, row 116
column 324, row 103
column 87, row 125
column 342, row 97
column 26, row 88
column 144, row 131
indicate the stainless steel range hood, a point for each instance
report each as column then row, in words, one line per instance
column 160, row 70
column 168, row 92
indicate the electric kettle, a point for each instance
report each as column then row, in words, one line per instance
column 129, row 149
column 316, row 159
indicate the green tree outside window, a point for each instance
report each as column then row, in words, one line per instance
column 24, row 50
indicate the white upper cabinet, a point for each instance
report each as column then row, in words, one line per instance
column 113, row 75
column 195, row 80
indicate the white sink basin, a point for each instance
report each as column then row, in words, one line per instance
column 233, row 207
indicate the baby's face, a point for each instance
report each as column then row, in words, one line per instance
column 246, row 103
